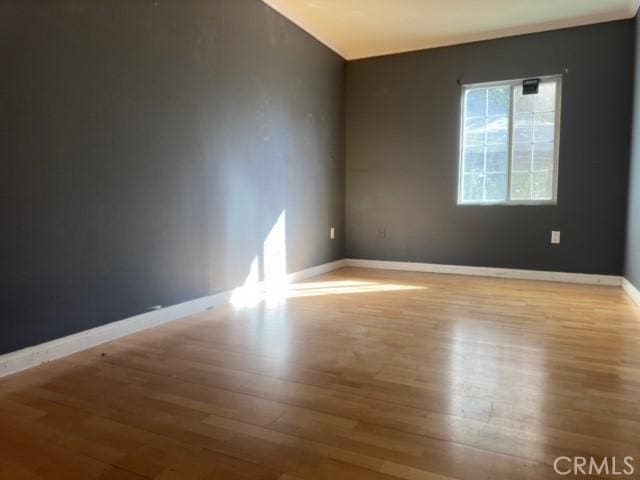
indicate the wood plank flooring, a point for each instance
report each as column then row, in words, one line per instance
column 359, row 374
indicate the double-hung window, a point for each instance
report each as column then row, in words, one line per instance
column 509, row 142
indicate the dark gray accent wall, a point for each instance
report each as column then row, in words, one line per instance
column 148, row 148
column 632, row 251
column 402, row 154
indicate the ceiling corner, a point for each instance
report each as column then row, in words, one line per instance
column 298, row 19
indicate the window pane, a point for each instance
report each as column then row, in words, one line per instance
column 521, row 186
column 497, row 129
column 474, row 131
column 497, row 158
column 545, row 99
column 523, row 128
column 498, row 101
column 544, row 126
column 522, row 103
column 472, row 187
column 476, row 103
column 496, row 186
column 522, row 157
column 542, row 185
column 533, row 151
column 542, row 156
column 474, row 159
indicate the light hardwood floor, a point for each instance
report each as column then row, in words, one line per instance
column 359, row 374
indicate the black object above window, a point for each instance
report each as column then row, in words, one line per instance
column 530, row 87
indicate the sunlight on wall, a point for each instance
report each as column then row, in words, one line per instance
column 274, row 251
column 274, row 261
column 274, row 288
column 249, row 293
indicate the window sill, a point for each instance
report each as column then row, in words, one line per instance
column 531, row 203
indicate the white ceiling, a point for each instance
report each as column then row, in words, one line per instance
column 366, row 28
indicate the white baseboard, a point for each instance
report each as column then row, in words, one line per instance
column 315, row 271
column 45, row 352
column 585, row 278
column 17, row 361
column 631, row 290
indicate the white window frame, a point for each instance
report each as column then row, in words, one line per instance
column 556, row 144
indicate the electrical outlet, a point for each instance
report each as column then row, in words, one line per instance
column 382, row 232
column 332, row 233
column 555, row 237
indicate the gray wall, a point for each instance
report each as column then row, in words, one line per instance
column 147, row 150
column 632, row 253
column 402, row 154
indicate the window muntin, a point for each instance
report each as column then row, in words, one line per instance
column 509, row 143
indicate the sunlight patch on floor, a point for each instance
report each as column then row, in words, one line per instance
column 247, row 297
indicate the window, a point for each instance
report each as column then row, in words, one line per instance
column 509, row 143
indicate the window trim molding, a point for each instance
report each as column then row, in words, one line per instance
column 556, row 156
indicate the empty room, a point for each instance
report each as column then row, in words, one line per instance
column 319, row 239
